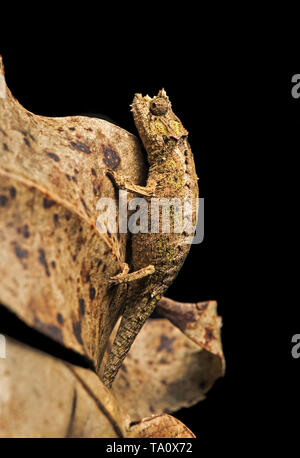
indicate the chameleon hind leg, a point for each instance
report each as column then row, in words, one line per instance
column 125, row 276
column 132, row 321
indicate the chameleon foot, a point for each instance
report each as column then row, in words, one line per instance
column 125, row 277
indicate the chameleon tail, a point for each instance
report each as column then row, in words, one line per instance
column 133, row 319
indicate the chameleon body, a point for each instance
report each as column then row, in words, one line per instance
column 156, row 257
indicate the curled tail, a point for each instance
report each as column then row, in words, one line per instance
column 133, row 319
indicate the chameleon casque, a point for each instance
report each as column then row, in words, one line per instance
column 156, row 257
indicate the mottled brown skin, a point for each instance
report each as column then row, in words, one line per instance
column 156, row 257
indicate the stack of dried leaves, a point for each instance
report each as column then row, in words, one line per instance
column 54, row 275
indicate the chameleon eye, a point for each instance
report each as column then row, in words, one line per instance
column 159, row 106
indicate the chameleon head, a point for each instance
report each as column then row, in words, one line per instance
column 158, row 126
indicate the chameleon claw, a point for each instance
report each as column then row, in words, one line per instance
column 118, row 278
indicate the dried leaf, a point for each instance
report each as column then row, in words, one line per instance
column 165, row 369
column 161, row 426
column 54, row 264
column 41, row 396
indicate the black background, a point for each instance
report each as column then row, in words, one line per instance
column 217, row 85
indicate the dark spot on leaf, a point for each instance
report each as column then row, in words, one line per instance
column 74, row 179
column 48, row 203
column 60, row 318
column 111, row 157
column 21, row 253
column 24, row 231
column 53, row 156
column 53, row 264
column 71, row 128
column 202, row 306
column 92, row 292
column 87, row 277
column 77, row 332
column 93, row 172
column 3, row 200
column 68, row 215
column 99, row 263
column 12, row 192
column 209, row 335
column 5, row 147
column 26, row 141
column 42, row 259
column 76, row 171
column 85, row 206
column 80, row 241
column 126, row 382
column 68, row 177
column 55, row 217
column 166, row 343
column 81, row 147
column 81, row 306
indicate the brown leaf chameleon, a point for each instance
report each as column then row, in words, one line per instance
column 156, row 257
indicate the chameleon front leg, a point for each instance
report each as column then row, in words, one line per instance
column 132, row 321
column 124, row 183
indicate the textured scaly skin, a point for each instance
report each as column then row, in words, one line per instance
column 172, row 175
